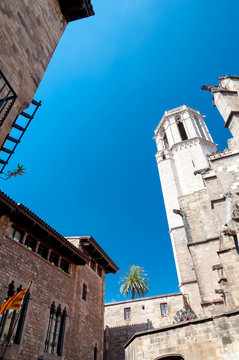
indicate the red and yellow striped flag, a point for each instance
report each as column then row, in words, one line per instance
column 14, row 302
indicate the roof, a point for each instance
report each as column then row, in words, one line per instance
column 24, row 217
column 76, row 9
column 93, row 249
column 142, row 299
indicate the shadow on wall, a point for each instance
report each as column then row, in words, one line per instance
column 116, row 337
column 170, row 357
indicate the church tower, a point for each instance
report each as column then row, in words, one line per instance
column 184, row 144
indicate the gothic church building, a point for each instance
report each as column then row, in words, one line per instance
column 200, row 188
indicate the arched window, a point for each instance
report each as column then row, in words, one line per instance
column 12, row 321
column 56, row 329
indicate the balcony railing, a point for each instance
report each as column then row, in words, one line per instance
column 7, row 98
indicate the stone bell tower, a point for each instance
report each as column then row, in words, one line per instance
column 184, row 144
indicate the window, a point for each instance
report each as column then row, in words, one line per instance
column 164, row 309
column 15, row 234
column 127, row 313
column 42, row 251
column 12, row 321
column 143, row 307
column 92, row 265
column 7, row 97
column 99, row 271
column 165, row 141
column 54, row 258
column 56, row 330
column 84, row 292
column 64, row 265
column 30, row 243
column 95, row 352
column 182, row 131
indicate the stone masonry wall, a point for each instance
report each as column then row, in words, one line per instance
column 84, row 325
column 206, row 215
column 145, row 314
column 215, row 338
column 30, row 31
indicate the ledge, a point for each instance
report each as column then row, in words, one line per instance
column 182, row 324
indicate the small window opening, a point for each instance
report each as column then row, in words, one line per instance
column 99, row 271
column 64, row 265
column 54, row 258
column 143, row 307
column 30, row 243
column 127, row 313
column 95, row 352
column 193, row 163
column 182, row 131
column 42, row 251
column 92, row 265
column 165, row 140
column 236, row 243
column 164, row 309
column 15, row 234
column 84, row 292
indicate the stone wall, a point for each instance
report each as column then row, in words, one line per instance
column 214, row 338
column 84, row 325
column 29, row 33
column 145, row 314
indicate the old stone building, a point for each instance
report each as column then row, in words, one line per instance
column 63, row 316
column 200, row 188
column 30, row 31
column 125, row 318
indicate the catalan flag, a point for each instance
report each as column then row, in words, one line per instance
column 14, row 302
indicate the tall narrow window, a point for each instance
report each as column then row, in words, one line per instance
column 127, row 313
column 56, row 329
column 182, row 131
column 164, row 309
column 84, row 292
column 12, row 321
column 95, row 352
column 165, row 141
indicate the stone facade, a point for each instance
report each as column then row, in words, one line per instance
column 60, row 278
column 145, row 313
column 30, row 31
column 214, row 338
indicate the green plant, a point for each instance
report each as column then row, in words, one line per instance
column 134, row 282
column 14, row 173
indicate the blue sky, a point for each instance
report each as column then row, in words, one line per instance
column 89, row 152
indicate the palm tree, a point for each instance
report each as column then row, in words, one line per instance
column 134, row 282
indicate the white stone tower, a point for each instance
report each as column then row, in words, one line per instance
column 183, row 143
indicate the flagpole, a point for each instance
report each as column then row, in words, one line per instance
column 9, row 336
